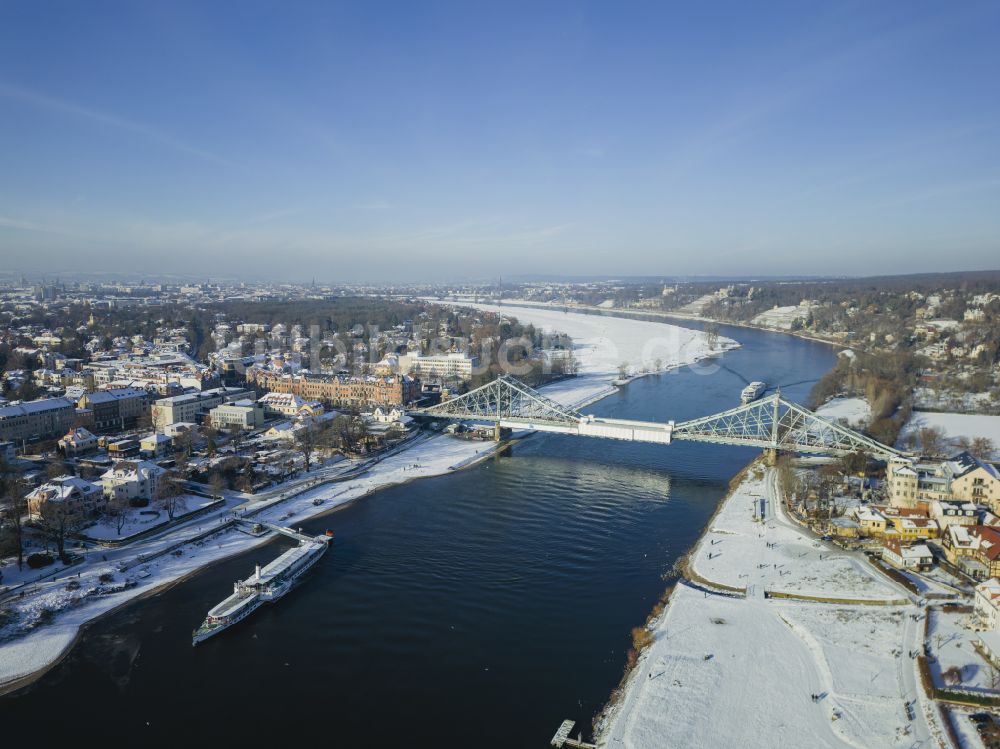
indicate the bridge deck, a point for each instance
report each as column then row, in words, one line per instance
column 771, row 422
column 592, row 426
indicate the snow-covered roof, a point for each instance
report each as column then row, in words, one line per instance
column 989, row 588
column 63, row 488
column 966, row 462
column 32, row 407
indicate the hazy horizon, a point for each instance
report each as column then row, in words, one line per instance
column 445, row 141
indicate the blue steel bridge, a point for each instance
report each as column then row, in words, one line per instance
column 770, row 423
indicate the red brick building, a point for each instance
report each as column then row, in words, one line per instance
column 340, row 390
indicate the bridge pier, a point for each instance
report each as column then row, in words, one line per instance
column 771, row 456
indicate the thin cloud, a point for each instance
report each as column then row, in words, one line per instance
column 12, row 223
column 73, row 109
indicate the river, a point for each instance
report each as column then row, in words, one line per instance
column 478, row 609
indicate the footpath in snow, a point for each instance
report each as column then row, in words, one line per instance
column 777, row 555
column 54, row 611
column 46, row 620
column 729, row 670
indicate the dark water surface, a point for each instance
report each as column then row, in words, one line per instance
column 476, row 609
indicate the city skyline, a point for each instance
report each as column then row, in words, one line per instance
column 442, row 142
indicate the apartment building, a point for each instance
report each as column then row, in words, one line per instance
column 48, row 418
column 341, row 390
column 449, row 366
column 116, row 408
column 194, row 407
column 964, row 478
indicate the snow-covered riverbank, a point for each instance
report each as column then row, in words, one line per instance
column 54, row 611
column 726, row 669
column 45, row 622
column 602, row 344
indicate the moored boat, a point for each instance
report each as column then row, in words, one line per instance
column 267, row 584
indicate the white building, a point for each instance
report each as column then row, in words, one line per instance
column 190, row 406
column 953, row 512
column 392, row 415
column 155, row 445
column 180, row 428
column 289, row 404
column 916, row 557
column 77, row 441
column 241, row 414
column 81, row 498
column 132, row 480
column 451, row 366
column 987, row 604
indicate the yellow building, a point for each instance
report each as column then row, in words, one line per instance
column 871, row 521
column 974, row 480
column 909, row 525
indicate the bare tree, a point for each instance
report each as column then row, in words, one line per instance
column 982, row 447
column 306, row 439
column 236, row 435
column 787, row 480
column 13, row 492
column 169, row 492
column 54, row 467
column 952, row 675
column 183, row 446
column 57, row 519
column 712, row 335
column 932, row 441
column 350, row 431
column 218, row 482
column 118, row 507
column 994, row 674
column 854, row 463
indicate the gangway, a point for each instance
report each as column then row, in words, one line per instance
column 293, row 534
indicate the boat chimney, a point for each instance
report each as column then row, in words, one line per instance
column 257, row 572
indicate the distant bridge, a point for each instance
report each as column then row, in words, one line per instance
column 770, row 423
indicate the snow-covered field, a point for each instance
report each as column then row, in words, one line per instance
column 142, row 519
column 851, row 412
column 603, row 343
column 731, row 672
column 955, row 426
column 952, row 645
column 739, row 551
column 735, row 671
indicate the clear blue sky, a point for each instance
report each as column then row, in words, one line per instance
column 372, row 141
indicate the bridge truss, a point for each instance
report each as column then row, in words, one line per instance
column 768, row 423
column 777, row 424
column 502, row 399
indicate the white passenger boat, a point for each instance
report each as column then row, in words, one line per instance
column 267, row 584
column 753, row 391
